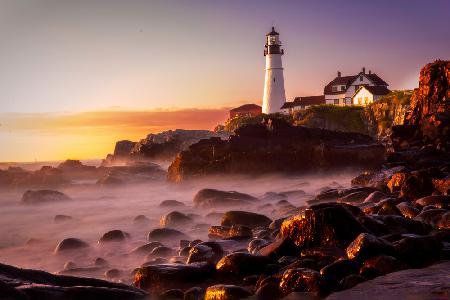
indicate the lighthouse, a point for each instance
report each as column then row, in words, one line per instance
column 274, row 95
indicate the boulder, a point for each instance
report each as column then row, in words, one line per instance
column 226, row 292
column 242, row 264
column 302, row 280
column 70, row 244
column 160, row 251
column 209, row 198
column 367, row 245
column 338, row 270
column 440, row 201
column 158, row 278
column 113, row 236
column 431, row 217
column 381, row 265
column 172, row 294
column 407, row 210
column 328, row 224
column 175, row 219
column 245, row 218
column 44, row 196
column 141, row 220
column 166, row 234
column 418, row 251
column 350, row 281
column 171, row 203
column 145, row 249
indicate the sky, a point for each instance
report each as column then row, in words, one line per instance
column 69, row 68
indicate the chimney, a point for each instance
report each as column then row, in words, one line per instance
column 339, row 74
column 370, row 72
column 364, row 70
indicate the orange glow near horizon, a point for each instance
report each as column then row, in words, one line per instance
column 91, row 135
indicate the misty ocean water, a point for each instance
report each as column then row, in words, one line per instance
column 29, row 233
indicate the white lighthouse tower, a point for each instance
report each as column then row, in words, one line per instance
column 274, row 95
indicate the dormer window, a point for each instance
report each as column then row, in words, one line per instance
column 361, row 78
column 334, row 88
column 343, row 87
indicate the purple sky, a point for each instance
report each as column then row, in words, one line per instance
column 89, row 55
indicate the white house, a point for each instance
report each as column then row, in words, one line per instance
column 301, row 103
column 342, row 88
column 368, row 94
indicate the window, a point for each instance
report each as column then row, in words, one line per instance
column 366, row 100
column 343, row 87
column 360, row 100
column 334, row 88
column 274, row 79
column 361, row 78
column 336, row 101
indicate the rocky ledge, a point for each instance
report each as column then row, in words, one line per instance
column 276, row 146
column 27, row 284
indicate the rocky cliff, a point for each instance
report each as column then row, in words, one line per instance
column 276, row 146
column 160, row 146
column 427, row 122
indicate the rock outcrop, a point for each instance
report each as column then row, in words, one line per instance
column 159, row 146
column 276, row 146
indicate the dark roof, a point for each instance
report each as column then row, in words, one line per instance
column 273, row 32
column 305, row 101
column 246, row 107
column 348, row 80
column 343, row 80
column 376, row 90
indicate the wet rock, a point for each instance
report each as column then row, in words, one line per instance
column 160, row 251
column 245, row 218
column 256, row 244
column 350, row 281
column 155, row 261
column 431, row 216
column 417, row 185
column 354, row 198
column 44, row 196
column 194, row 293
column 205, row 251
column 113, row 274
column 279, row 248
column 375, row 197
column 323, row 253
column 328, row 224
column 418, row 251
column 161, row 277
column 101, row 262
column 113, row 236
column 407, row 210
column 396, row 181
column 268, row 290
column 141, row 220
column 171, row 203
column 242, row 264
column 327, row 196
column 302, row 280
column 208, row 198
column 398, row 224
column 173, row 294
column 36, row 284
column 69, row 265
column 146, row 248
column 381, row 265
column 175, row 219
column 367, row 245
column 62, row 218
column 338, row 270
column 226, row 292
column 438, row 201
column 444, row 222
column 276, row 224
column 165, row 234
column 70, row 244
column 388, row 207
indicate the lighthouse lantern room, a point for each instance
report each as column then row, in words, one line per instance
column 274, row 94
